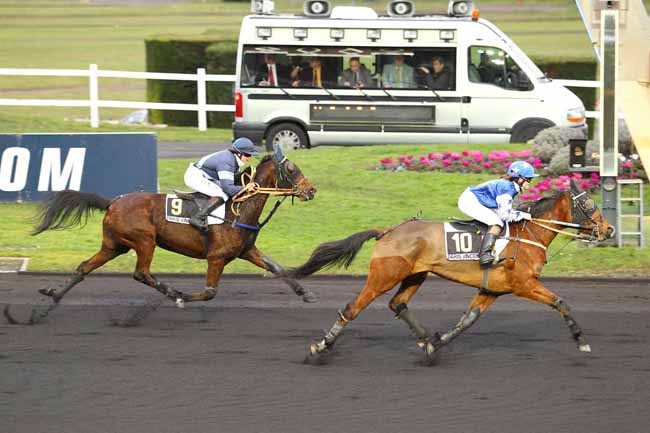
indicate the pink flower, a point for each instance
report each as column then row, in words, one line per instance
column 487, row 164
column 401, row 159
column 386, row 161
column 465, row 153
column 627, row 164
column 435, row 156
column 564, row 178
column 585, row 185
column 576, row 176
column 477, row 158
column 409, row 157
column 466, row 163
column 446, row 163
column 447, row 154
column 455, row 156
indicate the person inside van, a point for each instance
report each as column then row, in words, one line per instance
column 398, row 75
column 272, row 73
column 356, row 75
column 315, row 75
column 486, row 68
column 437, row 76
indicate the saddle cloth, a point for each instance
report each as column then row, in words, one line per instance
column 179, row 210
column 463, row 240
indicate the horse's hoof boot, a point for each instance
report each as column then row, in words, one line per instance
column 180, row 303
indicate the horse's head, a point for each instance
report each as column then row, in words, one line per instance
column 585, row 212
column 283, row 173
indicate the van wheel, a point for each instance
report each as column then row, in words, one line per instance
column 288, row 136
column 527, row 129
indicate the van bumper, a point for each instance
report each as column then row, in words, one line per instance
column 253, row 130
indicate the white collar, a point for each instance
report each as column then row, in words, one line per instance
column 517, row 187
column 239, row 161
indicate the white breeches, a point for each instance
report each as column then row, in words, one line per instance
column 199, row 181
column 470, row 206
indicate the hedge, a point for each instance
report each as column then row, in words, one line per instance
column 221, row 58
column 178, row 54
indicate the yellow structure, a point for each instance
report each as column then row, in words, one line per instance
column 633, row 86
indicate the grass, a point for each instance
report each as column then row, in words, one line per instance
column 350, row 198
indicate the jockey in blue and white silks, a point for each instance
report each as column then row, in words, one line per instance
column 491, row 203
column 214, row 175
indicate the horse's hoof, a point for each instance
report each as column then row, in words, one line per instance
column 431, row 348
column 180, row 303
column 47, row 291
column 309, row 297
column 584, row 348
column 315, row 356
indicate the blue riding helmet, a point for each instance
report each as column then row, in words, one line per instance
column 245, row 145
column 521, row 169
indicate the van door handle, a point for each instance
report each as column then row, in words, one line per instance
column 466, row 99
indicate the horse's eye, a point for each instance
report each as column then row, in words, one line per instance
column 291, row 167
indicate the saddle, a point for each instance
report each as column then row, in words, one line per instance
column 475, row 226
column 197, row 197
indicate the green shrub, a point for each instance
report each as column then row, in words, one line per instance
column 176, row 54
column 221, row 58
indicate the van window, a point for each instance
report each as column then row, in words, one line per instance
column 490, row 65
column 348, row 67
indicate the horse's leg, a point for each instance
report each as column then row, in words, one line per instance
column 145, row 249
column 256, row 257
column 409, row 286
column 105, row 254
column 538, row 293
column 215, row 268
column 477, row 306
column 384, row 274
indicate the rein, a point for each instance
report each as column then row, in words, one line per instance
column 539, row 222
column 251, row 189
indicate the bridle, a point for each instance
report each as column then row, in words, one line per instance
column 252, row 188
column 587, row 208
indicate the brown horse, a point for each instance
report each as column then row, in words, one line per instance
column 406, row 253
column 137, row 221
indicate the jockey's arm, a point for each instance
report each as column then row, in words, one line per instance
column 505, row 211
column 227, row 182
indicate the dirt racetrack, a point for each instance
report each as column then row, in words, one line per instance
column 235, row 365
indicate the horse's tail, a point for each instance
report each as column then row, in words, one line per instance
column 66, row 209
column 333, row 254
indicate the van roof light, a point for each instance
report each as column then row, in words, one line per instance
column 460, row 8
column 475, row 14
column 410, row 34
column 264, row 32
column 400, row 8
column 317, row 8
column 337, row 34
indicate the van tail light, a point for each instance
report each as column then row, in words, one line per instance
column 239, row 105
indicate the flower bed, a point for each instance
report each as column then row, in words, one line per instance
column 497, row 163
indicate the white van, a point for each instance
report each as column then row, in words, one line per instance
column 349, row 76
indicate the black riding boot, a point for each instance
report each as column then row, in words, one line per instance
column 200, row 219
column 485, row 257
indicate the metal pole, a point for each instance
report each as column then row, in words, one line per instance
column 609, row 115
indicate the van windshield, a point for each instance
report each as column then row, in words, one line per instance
column 349, row 67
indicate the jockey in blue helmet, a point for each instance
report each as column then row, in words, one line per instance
column 214, row 175
column 491, row 203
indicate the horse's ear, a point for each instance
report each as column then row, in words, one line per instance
column 277, row 153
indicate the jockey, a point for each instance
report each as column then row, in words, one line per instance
column 214, row 175
column 491, row 203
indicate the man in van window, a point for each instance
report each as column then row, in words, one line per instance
column 272, row 73
column 486, row 68
column 356, row 75
column 315, row 75
column 398, row 75
column 438, row 76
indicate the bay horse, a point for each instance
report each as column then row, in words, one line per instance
column 404, row 254
column 137, row 221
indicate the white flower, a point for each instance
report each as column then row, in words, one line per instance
column 634, row 156
column 622, row 158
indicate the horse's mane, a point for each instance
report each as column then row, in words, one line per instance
column 541, row 206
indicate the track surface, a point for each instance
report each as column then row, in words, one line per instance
column 234, row 365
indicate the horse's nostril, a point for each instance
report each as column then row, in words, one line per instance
column 610, row 232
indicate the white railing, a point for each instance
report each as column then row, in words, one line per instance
column 94, row 103
column 201, row 78
column 582, row 83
